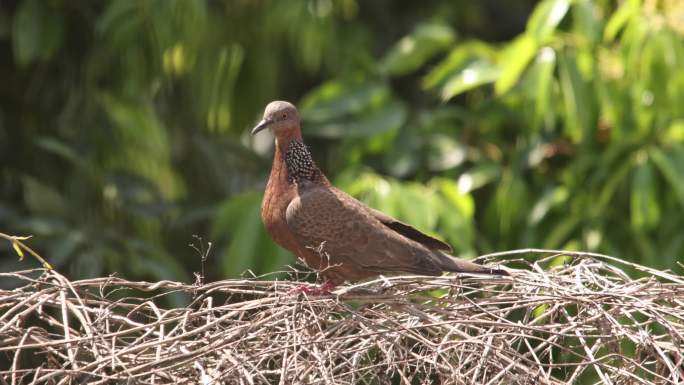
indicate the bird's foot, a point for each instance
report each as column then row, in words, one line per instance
column 313, row 291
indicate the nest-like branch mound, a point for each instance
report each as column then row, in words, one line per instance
column 584, row 321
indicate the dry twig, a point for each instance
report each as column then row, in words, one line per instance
column 583, row 321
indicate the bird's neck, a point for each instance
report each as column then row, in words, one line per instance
column 294, row 157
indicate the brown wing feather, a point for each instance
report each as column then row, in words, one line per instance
column 410, row 232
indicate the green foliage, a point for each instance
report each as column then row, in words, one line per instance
column 123, row 125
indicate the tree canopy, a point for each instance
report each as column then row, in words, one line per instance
column 492, row 125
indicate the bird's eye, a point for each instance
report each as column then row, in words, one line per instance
column 283, row 115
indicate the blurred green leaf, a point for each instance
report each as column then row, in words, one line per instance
column 219, row 114
column 90, row 266
column 554, row 197
column 462, row 55
column 507, row 211
column 479, row 175
column 474, row 75
column 619, row 18
column 239, row 220
column 671, row 166
column 103, row 130
column 145, row 145
column 249, row 247
column 413, row 50
column 36, row 32
column 586, row 21
column 542, row 74
column 540, row 310
column 545, row 18
column 518, row 54
column 337, row 99
column 575, row 98
column 417, row 205
column 674, row 132
column 560, row 232
column 644, row 205
column 456, row 213
column 242, row 252
column 457, row 198
column 513, row 61
column 439, row 208
column 115, row 13
column 445, row 152
column 387, row 116
column 43, row 198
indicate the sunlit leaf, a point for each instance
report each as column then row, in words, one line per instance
column 412, row 51
column 474, row 75
column 337, row 99
column 106, row 158
column 464, row 54
column 540, row 310
column 518, row 54
column 545, row 18
column 456, row 213
column 478, row 176
column 225, row 74
column 459, row 199
column 675, row 132
column 560, row 260
column 415, row 205
column 438, row 208
column 513, row 61
column 540, row 80
column 387, row 117
column 625, row 11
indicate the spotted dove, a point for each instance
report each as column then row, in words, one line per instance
column 333, row 232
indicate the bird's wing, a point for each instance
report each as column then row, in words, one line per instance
column 330, row 221
column 409, row 231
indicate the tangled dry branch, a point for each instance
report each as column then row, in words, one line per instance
column 582, row 321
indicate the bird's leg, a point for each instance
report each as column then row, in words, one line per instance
column 315, row 291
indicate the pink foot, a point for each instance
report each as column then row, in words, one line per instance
column 315, row 291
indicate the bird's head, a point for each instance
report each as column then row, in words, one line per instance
column 282, row 118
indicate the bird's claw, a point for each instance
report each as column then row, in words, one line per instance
column 324, row 289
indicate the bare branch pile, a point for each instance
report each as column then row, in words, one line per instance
column 584, row 321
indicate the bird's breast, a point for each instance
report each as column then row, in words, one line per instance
column 278, row 195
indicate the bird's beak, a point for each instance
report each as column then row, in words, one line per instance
column 262, row 125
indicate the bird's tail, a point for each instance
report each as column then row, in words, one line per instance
column 449, row 263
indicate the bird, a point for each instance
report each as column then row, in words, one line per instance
column 331, row 231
